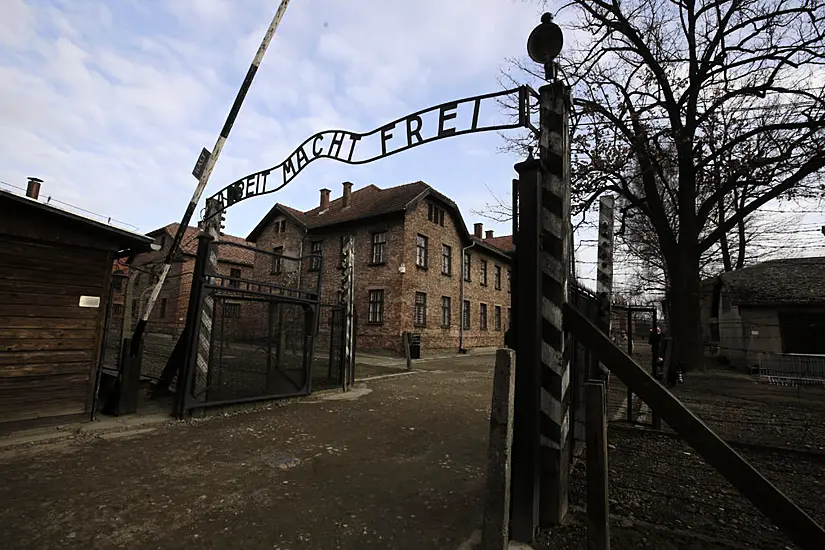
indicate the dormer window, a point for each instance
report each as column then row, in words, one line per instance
column 435, row 214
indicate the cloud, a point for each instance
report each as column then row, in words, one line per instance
column 111, row 103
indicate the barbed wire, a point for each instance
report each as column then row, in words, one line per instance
column 49, row 200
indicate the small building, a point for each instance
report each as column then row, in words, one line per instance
column 55, row 273
column 773, row 308
column 170, row 314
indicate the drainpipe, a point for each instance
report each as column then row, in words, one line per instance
column 461, row 305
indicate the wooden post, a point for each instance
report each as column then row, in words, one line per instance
column 630, row 354
column 604, row 274
column 495, row 530
column 657, row 418
column 598, row 507
column 405, row 337
column 526, row 316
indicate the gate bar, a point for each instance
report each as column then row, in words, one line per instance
column 772, row 502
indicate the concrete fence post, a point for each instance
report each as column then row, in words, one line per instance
column 495, row 530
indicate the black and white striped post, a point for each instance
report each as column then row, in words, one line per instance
column 212, row 228
column 604, row 273
column 554, row 155
column 541, row 442
column 203, row 169
column 348, row 304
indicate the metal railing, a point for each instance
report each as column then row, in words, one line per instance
column 792, row 368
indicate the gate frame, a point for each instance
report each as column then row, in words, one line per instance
column 203, row 279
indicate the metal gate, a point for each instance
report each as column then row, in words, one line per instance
column 327, row 366
column 260, row 328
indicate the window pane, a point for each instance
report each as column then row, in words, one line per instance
column 446, row 314
column 277, row 260
column 234, row 274
column 420, row 313
column 446, row 259
column 421, row 247
column 379, row 248
column 376, row 306
column 315, row 262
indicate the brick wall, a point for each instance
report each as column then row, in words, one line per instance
column 174, row 294
column 400, row 232
column 436, row 285
column 368, row 277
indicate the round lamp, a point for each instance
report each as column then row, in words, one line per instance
column 545, row 42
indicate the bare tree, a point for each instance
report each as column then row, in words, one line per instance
column 652, row 81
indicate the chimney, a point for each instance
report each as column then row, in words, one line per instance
column 488, row 234
column 325, row 198
column 33, row 189
column 347, row 193
column 478, row 229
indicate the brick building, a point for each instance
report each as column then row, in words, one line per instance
column 417, row 267
column 169, row 314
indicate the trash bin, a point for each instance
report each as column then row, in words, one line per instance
column 415, row 345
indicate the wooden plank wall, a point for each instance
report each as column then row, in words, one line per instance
column 48, row 344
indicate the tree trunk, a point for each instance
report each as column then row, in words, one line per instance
column 685, row 324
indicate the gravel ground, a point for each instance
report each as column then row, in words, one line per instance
column 740, row 408
column 680, row 502
column 399, row 463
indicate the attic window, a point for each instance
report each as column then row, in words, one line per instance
column 435, row 214
column 280, row 226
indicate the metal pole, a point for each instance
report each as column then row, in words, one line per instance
column 211, row 160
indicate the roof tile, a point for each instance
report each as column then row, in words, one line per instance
column 189, row 245
column 798, row 281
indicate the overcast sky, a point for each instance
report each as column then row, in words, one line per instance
column 110, row 102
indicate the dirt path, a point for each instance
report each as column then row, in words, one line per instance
column 399, row 466
column 396, row 464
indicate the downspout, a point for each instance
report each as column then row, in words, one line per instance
column 461, row 305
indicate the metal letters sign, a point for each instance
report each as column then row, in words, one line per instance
column 455, row 118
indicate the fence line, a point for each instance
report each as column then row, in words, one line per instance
column 792, row 368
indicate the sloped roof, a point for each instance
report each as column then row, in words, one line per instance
column 189, row 244
column 371, row 201
column 505, row 243
column 130, row 242
column 797, row 281
column 366, row 202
